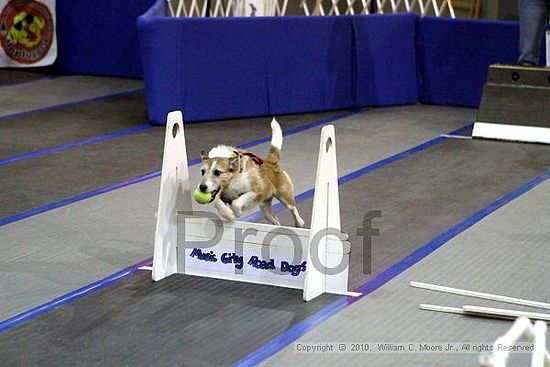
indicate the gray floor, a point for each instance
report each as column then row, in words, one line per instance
column 180, row 318
column 45, row 93
column 24, row 134
column 506, row 253
column 10, row 77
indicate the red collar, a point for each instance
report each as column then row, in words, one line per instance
column 259, row 161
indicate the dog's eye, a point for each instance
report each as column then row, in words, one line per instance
column 217, row 173
column 202, row 172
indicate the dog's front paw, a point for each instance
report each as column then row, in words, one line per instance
column 237, row 212
column 224, row 210
column 228, row 216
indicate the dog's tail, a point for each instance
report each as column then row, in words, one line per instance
column 274, row 156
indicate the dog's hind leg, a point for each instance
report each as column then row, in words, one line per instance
column 287, row 198
column 268, row 214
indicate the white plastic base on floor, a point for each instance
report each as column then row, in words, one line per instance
column 528, row 134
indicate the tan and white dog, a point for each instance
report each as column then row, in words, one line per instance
column 240, row 180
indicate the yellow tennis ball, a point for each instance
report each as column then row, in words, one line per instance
column 202, row 197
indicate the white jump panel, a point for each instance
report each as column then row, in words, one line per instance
column 315, row 260
column 240, row 252
column 249, row 252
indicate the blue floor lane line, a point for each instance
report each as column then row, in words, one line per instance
column 69, row 104
column 84, row 291
column 70, row 297
column 61, row 147
column 73, row 199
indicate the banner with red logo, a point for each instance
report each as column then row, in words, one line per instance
column 27, row 33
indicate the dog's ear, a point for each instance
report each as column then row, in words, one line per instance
column 234, row 163
column 204, row 156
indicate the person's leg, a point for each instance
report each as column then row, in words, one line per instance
column 532, row 19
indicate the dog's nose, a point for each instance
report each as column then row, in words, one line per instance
column 203, row 187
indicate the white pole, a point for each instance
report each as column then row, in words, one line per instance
column 319, row 8
column 548, row 47
column 489, row 296
column 438, row 308
column 504, row 313
column 451, row 9
column 170, row 7
column 436, row 9
column 204, row 8
column 285, row 4
column 180, row 7
column 495, row 313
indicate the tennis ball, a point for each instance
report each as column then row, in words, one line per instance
column 202, row 197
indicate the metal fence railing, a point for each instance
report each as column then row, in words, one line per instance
column 236, row 8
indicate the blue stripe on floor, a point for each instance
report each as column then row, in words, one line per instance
column 68, row 104
column 59, row 148
column 70, row 297
column 74, row 199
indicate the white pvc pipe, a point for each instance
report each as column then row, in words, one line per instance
column 170, row 7
column 501, row 312
column 489, row 296
column 496, row 313
column 283, row 11
column 548, row 48
column 438, row 308
column 451, row 9
column 179, row 9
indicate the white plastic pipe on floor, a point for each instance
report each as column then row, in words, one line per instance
column 488, row 296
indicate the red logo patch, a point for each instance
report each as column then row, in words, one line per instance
column 26, row 30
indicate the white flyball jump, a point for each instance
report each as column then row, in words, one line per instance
column 521, row 329
column 201, row 244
